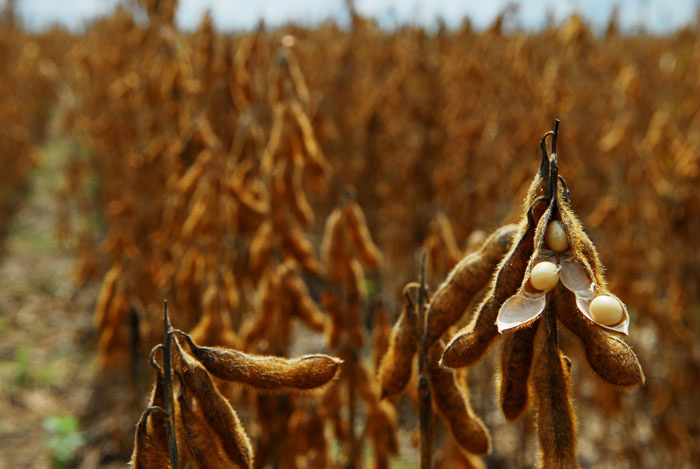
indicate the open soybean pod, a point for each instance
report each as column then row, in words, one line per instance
column 216, row 409
column 611, row 358
column 360, row 237
column 397, row 364
column 451, row 398
column 266, row 373
column 526, row 305
column 582, row 274
column 581, row 245
column 472, row 341
column 468, row 277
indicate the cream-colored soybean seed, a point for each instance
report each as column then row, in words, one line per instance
column 606, row 310
column 544, row 275
column 556, row 236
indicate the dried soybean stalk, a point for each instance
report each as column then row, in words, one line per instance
column 425, row 415
column 556, row 424
column 168, row 388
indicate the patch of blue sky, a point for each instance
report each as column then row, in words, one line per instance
column 655, row 16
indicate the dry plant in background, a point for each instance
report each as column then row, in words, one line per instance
column 189, row 422
column 437, row 386
column 346, row 248
column 192, row 147
column 27, row 77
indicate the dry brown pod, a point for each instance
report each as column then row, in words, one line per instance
column 397, row 363
column 204, row 445
column 610, row 357
column 214, row 326
column 304, row 307
column 107, row 292
column 335, row 328
column 268, row 291
column 157, row 422
column 149, row 452
column 516, row 363
column 216, row 409
column 381, row 334
column 261, row 247
column 451, row 398
column 298, row 204
column 382, row 429
column 266, row 373
column 471, row 342
column 468, row 277
column 295, row 246
column 334, row 251
column 360, row 237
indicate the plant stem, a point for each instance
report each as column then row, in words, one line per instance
column 352, row 406
column 168, row 384
column 424, row 394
